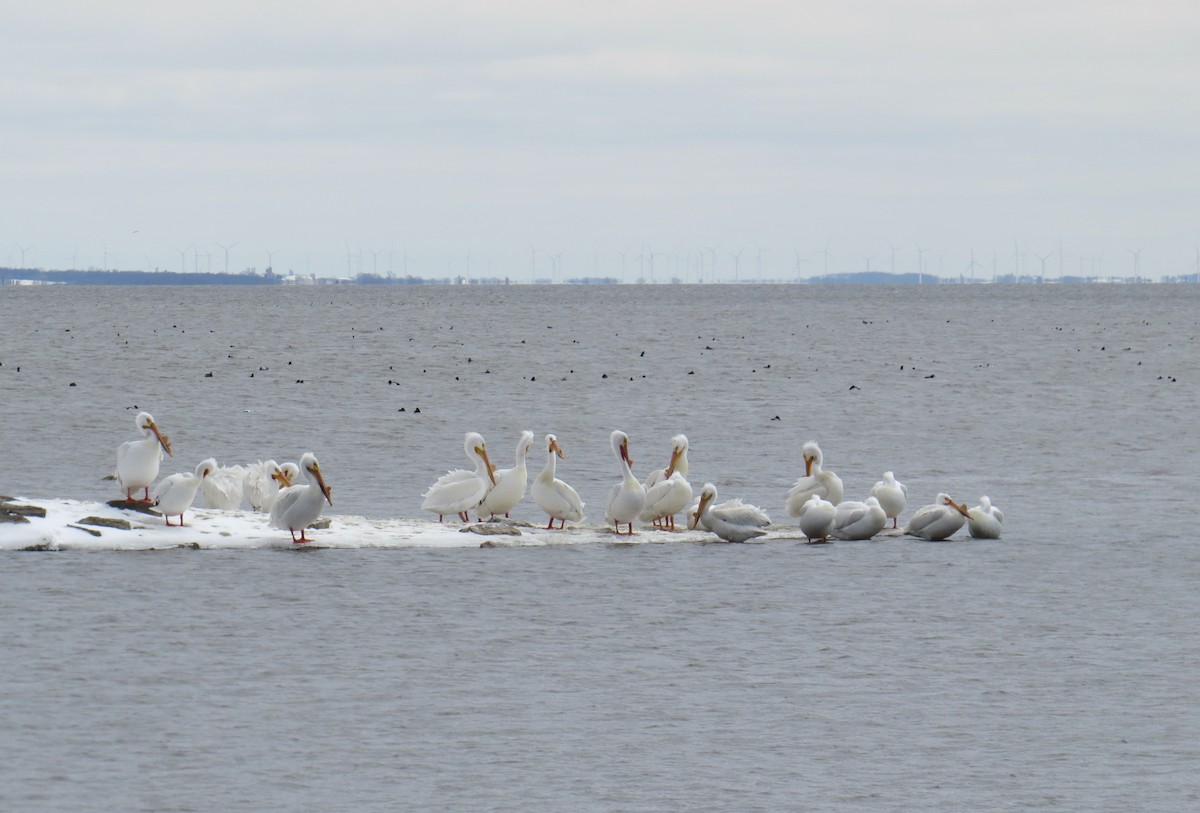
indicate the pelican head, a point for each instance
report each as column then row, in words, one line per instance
column 985, row 502
column 476, row 449
column 708, row 495
column 812, row 457
column 286, row 474
column 620, row 446
column 679, row 447
column 147, row 426
column 308, row 463
column 206, row 467
column 944, row 499
column 524, row 444
column 553, row 448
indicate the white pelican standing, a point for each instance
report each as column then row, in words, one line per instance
column 510, row 483
column 937, row 521
column 628, row 497
column 858, row 520
column 175, row 494
column 667, row 490
column 297, row 507
column 554, row 496
column 223, row 488
column 892, row 496
column 458, row 491
column 732, row 520
column 137, row 460
column 816, row 480
column 816, row 518
column 265, row 479
column 985, row 520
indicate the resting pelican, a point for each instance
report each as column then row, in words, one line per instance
column 175, row 494
column 892, row 496
column 265, row 479
column 816, row 480
column 937, row 521
column 679, row 462
column 458, row 491
column 985, row 520
column 510, row 483
column 732, row 520
column 299, row 506
column 554, row 496
column 137, row 460
column 816, row 518
column 859, row 520
column 628, row 497
column 223, row 488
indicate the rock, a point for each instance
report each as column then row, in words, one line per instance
column 91, row 531
column 107, row 522
column 41, row 546
column 134, row 505
column 321, row 524
column 23, row 510
column 5, row 516
column 491, row 529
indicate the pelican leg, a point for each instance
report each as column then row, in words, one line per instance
column 147, row 497
column 550, row 524
column 562, row 524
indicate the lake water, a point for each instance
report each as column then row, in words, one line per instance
column 1053, row 669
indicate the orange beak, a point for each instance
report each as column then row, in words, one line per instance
column 163, row 440
column 554, row 447
column 675, row 454
column 316, row 471
column 482, row 452
column 808, row 461
column 280, row 476
column 625, row 453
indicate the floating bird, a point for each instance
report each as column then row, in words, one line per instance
column 223, row 488
column 175, row 494
column 458, row 491
column 816, row 518
column 137, row 460
column 554, row 496
column 937, row 521
column 298, row 506
column 510, row 483
column 265, row 479
column 858, row 520
column 732, row 520
column 816, row 480
column 985, row 520
column 892, row 496
column 628, row 497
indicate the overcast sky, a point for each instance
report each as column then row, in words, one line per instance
column 145, row 132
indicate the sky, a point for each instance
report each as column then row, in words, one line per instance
column 558, row 140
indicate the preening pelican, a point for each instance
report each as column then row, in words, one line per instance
column 265, row 479
column 297, row 507
column 510, row 483
column 628, row 497
column 937, row 521
column 554, row 496
column 175, row 494
column 137, row 460
column 985, row 520
column 824, row 484
column 223, row 488
column 892, row 496
column 667, row 490
column 816, row 518
column 732, row 520
column 458, row 491
column 858, row 520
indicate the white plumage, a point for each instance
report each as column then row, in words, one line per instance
column 458, row 491
column 892, row 496
column 628, row 497
column 732, row 520
column 937, row 521
column 552, row 495
column 138, row 460
column 816, row 518
column 299, row 506
column 265, row 479
column 985, row 520
column 175, row 494
column 816, row 480
column 223, row 488
column 667, row 490
column 510, row 483
column 858, row 520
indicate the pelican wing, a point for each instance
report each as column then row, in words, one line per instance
column 454, row 492
column 739, row 513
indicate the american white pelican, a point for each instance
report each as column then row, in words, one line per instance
column 628, row 497
column 816, row 480
column 223, row 488
column 937, row 521
column 510, row 483
column 175, row 494
column 892, row 496
column 816, row 518
column 265, row 479
column 985, row 520
column 458, row 491
column 732, row 520
column 859, row 520
column 137, row 460
column 297, row 507
column 667, row 490
column 554, row 496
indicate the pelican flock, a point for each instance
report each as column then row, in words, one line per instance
column 815, row 499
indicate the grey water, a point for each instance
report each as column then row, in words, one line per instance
column 1052, row 669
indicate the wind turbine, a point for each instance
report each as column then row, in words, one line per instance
column 532, row 264
column 623, row 255
column 270, row 259
column 1137, row 263
column 712, row 251
column 759, row 261
column 23, row 250
column 1043, row 259
column 737, row 263
column 226, row 249
column 1196, row 265
column 921, row 263
column 894, row 249
column 973, row 265
column 182, row 258
column 825, row 251
column 798, row 261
